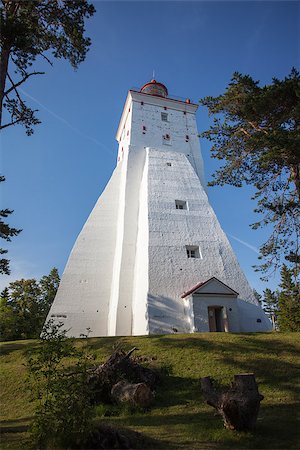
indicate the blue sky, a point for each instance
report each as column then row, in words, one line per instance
column 55, row 176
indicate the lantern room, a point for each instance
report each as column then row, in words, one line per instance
column 155, row 88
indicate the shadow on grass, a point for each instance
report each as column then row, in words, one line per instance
column 173, row 391
column 276, row 429
column 274, row 363
column 106, row 344
column 7, row 347
column 15, row 425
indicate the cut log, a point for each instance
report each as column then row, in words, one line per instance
column 138, row 394
column 119, row 366
column 238, row 405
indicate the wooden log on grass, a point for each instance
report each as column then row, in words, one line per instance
column 238, row 405
column 135, row 394
column 119, row 366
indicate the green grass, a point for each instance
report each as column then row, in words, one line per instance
column 179, row 419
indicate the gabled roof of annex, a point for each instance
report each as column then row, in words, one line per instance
column 212, row 286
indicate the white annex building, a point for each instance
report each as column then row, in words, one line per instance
column 152, row 256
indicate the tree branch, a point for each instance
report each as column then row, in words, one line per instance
column 11, row 123
column 15, row 85
column 257, row 128
column 47, row 59
column 130, row 352
column 15, row 89
column 244, row 131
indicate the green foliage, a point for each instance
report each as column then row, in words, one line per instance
column 256, row 133
column 283, row 305
column 257, row 296
column 48, row 286
column 25, row 304
column 59, row 380
column 32, row 29
column 270, row 305
column 7, row 318
column 289, row 301
column 6, row 233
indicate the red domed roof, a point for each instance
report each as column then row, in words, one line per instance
column 153, row 87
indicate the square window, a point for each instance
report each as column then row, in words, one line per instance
column 167, row 139
column 192, row 251
column 180, row 204
column 164, row 117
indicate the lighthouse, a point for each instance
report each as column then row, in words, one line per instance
column 152, row 257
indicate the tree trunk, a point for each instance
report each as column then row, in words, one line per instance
column 4, row 58
column 238, row 405
column 135, row 394
column 10, row 10
column 295, row 173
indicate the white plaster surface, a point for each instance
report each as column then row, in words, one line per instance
column 141, row 279
column 200, row 305
column 129, row 265
column 84, row 292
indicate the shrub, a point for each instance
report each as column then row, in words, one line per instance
column 58, row 375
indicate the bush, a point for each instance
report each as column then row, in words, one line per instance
column 58, row 374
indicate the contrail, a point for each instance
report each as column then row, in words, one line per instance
column 254, row 249
column 68, row 124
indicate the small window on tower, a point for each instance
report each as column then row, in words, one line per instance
column 192, row 251
column 167, row 139
column 164, row 117
column 180, row 204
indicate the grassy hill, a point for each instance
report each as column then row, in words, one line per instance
column 179, row 418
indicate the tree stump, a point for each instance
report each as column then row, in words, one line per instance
column 238, row 405
column 138, row 394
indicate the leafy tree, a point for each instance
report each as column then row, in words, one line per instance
column 256, row 133
column 48, row 286
column 24, row 299
column 270, row 305
column 25, row 304
column 289, row 301
column 7, row 318
column 6, row 232
column 31, row 29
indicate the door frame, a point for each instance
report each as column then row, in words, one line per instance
column 212, row 319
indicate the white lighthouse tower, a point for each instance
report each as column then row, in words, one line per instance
column 152, row 257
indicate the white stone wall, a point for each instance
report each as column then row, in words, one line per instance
column 82, row 300
column 170, row 271
column 200, row 307
column 135, row 167
column 142, row 126
column 252, row 318
column 141, row 279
